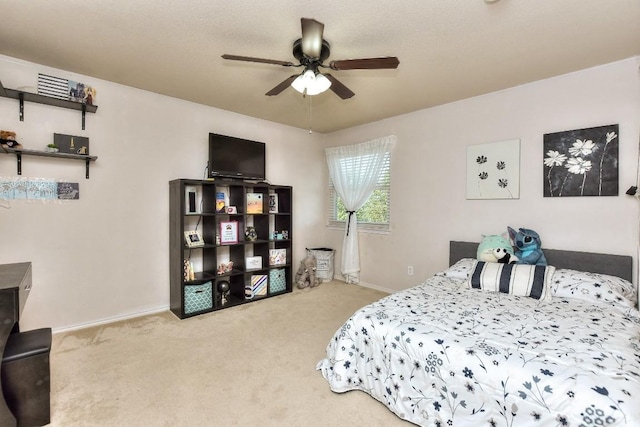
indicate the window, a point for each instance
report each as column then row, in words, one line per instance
column 374, row 214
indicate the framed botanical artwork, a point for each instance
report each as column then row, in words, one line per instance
column 193, row 238
column 228, row 232
column 582, row 162
column 493, row 170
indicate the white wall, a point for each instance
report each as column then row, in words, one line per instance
column 106, row 255
column 429, row 206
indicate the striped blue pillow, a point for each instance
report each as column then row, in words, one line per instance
column 514, row 279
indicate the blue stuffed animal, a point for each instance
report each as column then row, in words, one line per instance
column 529, row 246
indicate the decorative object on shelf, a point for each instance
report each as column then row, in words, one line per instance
column 248, row 292
column 228, row 232
column 254, row 262
column 52, row 148
column 71, row 144
column 285, row 234
column 259, row 284
column 225, row 267
column 277, row 256
column 198, row 297
column 188, row 272
column 54, row 87
column 493, row 170
column 80, row 92
column 273, row 203
column 8, row 139
column 277, row 280
column 232, row 210
column 251, row 234
column 582, row 162
column 254, row 203
column 224, row 288
column 193, row 239
column 220, row 203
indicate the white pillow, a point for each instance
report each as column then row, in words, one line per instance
column 593, row 287
column 514, row 279
column 460, row 270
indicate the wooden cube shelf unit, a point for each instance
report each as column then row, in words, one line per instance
column 200, row 208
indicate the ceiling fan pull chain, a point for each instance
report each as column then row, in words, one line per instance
column 310, row 115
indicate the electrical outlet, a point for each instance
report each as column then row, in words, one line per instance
column 410, row 270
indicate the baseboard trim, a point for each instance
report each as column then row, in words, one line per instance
column 110, row 320
column 377, row 288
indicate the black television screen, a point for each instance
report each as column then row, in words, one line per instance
column 236, row 157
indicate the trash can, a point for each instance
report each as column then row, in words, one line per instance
column 324, row 258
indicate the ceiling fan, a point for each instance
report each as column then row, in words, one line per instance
column 311, row 51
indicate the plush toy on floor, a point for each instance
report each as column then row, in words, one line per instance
column 529, row 246
column 496, row 248
column 306, row 275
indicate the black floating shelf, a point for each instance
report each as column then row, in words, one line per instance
column 19, row 152
column 46, row 100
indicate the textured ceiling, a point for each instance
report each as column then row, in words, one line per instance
column 448, row 50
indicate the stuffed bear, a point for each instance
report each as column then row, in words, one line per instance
column 529, row 246
column 306, row 275
column 496, row 248
column 8, row 138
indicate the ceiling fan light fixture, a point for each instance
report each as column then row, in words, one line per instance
column 311, row 83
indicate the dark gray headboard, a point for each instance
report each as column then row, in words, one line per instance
column 614, row 265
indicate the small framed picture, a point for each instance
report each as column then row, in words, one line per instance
column 254, row 262
column 193, row 239
column 228, row 232
column 232, row 210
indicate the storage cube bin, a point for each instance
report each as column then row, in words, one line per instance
column 198, row 297
column 277, row 280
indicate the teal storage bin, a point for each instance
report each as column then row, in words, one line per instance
column 277, row 280
column 198, row 298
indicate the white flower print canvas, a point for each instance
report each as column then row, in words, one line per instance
column 493, row 170
column 581, row 162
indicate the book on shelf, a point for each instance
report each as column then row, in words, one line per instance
column 254, row 203
column 273, row 203
column 277, row 256
column 220, row 204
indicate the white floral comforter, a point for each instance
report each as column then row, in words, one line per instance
column 439, row 354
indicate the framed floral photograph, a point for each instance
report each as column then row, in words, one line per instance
column 581, row 162
column 493, row 170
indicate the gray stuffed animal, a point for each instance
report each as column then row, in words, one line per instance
column 306, row 275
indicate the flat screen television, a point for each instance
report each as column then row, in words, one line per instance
column 233, row 157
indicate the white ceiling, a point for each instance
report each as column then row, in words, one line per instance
column 448, row 50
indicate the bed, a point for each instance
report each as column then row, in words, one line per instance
column 447, row 352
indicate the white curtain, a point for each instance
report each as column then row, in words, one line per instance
column 355, row 170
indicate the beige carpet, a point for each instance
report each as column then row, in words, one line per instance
column 251, row 365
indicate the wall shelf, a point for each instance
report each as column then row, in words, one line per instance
column 19, row 152
column 46, row 100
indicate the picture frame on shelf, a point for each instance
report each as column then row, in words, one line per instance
column 254, row 203
column 254, row 262
column 193, row 239
column 228, row 232
column 277, row 256
column 273, row 203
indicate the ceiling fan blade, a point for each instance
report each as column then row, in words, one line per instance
column 311, row 37
column 282, row 86
column 261, row 60
column 388, row 62
column 338, row 88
